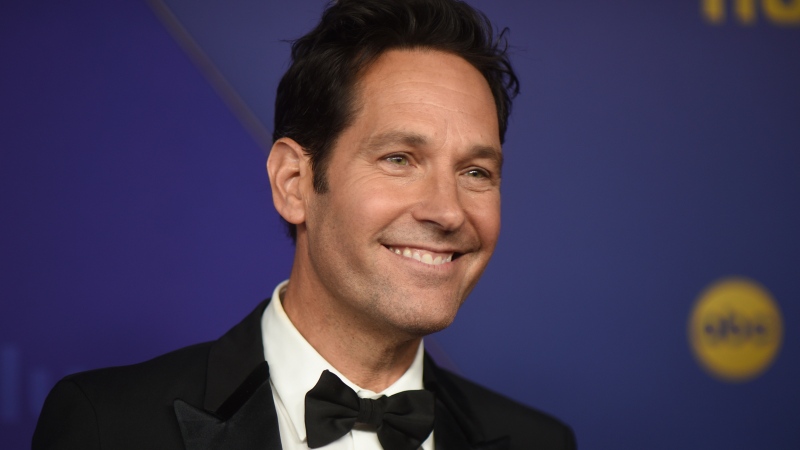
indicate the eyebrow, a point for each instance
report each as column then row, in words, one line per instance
column 488, row 152
column 412, row 139
column 396, row 137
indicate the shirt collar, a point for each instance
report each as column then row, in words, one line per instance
column 295, row 367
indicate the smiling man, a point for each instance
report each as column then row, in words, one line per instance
column 386, row 166
column 410, row 216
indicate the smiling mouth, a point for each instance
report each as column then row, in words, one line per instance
column 424, row 256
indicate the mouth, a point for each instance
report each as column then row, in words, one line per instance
column 424, row 256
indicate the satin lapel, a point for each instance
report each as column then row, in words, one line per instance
column 246, row 421
column 238, row 412
column 232, row 357
column 454, row 426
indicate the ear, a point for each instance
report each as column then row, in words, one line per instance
column 289, row 170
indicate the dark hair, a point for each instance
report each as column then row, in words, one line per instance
column 316, row 96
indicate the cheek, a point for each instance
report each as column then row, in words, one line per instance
column 485, row 217
column 374, row 204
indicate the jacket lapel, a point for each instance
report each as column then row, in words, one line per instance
column 238, row 411
column 454, row 425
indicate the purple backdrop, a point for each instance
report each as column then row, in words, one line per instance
column 651, row 152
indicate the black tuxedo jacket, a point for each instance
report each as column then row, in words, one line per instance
column 217, row 395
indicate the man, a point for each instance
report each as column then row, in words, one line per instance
column 386, row 167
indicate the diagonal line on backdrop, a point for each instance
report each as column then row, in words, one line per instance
column 218, row 81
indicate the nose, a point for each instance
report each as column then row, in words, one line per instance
column 440, row 203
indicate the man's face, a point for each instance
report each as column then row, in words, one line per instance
column 412, row 213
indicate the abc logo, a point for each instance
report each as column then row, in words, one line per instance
column 735, row 329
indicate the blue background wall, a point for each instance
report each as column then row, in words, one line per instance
column 652, row 151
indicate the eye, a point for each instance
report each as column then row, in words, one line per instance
column 399, row 160
column 477, row 173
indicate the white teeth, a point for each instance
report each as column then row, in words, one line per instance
column 422, row 256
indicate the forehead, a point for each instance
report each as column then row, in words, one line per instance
column 427, row 92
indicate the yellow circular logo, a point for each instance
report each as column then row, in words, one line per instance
column 735, row 329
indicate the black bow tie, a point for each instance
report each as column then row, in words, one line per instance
column 403, row 421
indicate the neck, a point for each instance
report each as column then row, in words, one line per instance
column 365, row 352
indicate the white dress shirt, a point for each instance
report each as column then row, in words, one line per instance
column 295, row 368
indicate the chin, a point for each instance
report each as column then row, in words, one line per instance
column 424, row 328
column 424, row 321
